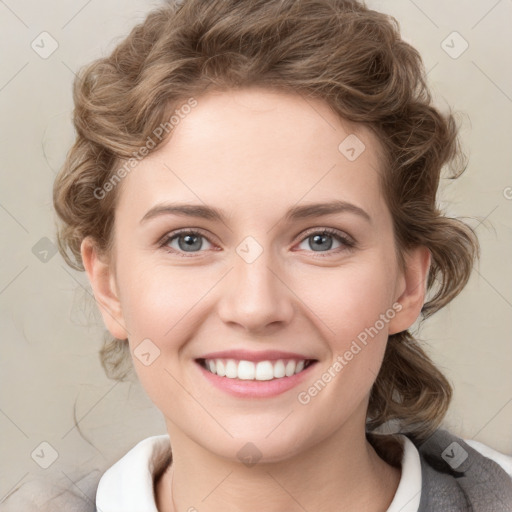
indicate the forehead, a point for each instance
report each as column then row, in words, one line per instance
column 255, row 150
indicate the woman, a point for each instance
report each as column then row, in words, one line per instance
column 252, row 194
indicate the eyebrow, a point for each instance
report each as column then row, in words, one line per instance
column 295, row 213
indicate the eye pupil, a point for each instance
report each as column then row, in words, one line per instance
column 320, row 238
column 191, row 242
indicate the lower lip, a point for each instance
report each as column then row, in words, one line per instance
column 256, row 388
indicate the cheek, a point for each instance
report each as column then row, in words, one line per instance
column 160, row 308
column 158, row 305
column 157, row 300
column 349, row 300
column 355, row 308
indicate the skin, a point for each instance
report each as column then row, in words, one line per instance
column 255, row 153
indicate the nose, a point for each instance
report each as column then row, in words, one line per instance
column 255, row 296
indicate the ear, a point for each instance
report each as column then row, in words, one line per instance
column 102, row 279
column 412, row 289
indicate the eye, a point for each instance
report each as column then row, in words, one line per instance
column 322, row 240
column 191, row 241
column 184, row 241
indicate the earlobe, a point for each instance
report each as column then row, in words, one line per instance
column 102, row 281
column 413, row 289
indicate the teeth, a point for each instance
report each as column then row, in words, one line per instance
column 264, row 371
column 279, row 370
column 290, row 368
column 248, row 370
column 220, row 368
column 231, row 369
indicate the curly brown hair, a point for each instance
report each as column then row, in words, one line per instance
column 339, row 51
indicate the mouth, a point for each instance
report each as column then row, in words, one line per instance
column 255, row 371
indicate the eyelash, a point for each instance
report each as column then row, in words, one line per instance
column 348, row 243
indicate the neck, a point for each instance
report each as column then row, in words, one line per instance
column 342, row 473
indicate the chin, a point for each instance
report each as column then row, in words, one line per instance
column 258, row 445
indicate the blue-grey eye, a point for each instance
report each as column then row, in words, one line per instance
column 322, row 241
column 187, row 242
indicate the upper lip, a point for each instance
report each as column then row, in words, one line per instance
column 247, row 355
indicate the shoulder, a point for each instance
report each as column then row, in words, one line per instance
column 504, row 460
column 456, row 473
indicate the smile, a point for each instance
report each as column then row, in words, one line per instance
column 255, row 371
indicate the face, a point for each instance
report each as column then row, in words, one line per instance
column 223, row 263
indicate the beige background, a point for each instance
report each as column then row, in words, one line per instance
column 51, row 331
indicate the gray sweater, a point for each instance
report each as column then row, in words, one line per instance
column 457, row 478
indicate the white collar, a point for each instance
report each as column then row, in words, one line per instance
column 127, row 486
column 408, row 494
